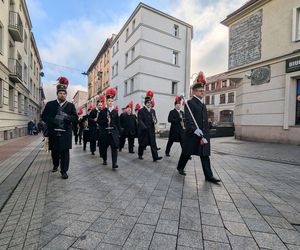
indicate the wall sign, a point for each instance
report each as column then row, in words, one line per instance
column 260, row 75
column 293, row 64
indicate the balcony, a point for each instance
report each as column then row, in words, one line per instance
column 15, row 69
column 15, row 26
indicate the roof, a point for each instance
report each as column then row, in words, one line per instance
column 142, row 5
column 248, row 5
column 214, row 78
column 36, row 49
column 101, row 52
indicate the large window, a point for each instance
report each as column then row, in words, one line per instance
column 131, row 85
column 298, row 103
column 222, row 98
column 231, row 97
column 132, row 53
column 296, row 25
column 174, row 88
column 11, row 101
column 125, row 88
column 126, row 59
column 212, row 99
column 207, row 100
column 176, row 30
column 175, row 57
column 1, row 38
column 1, row 92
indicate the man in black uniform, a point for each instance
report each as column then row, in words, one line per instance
column 108, row 120
column 146, row 128
column 80, row 125
column 76, row 129
column 59, row 115
column 85, row 124
column 176, row 118
column 196, row 140
column 93, row 128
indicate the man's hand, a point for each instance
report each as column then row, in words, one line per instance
column 198, row 132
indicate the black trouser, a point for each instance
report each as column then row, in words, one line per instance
column 62, row 157
column 153, row 151
column 93, row 144
column 130, row 142
column 205, row 161
column 80, row 136
column 114, row 150
column 169, row 145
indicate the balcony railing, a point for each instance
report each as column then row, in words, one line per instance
column 15, row 26
column 15, row 69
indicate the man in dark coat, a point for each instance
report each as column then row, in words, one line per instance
column 93, row 129
column 85, row 125
column 146, row 128
column 59, row 115
column 176, row 118
column 196, row 140
column 128, row 125
column 109, row 127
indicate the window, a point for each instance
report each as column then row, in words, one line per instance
column 131, row 85
column 113, row 70
column 117, row 68
column 224, row 84
column 132, row 53
column 298, row 103
column 11, row 96
column 25, row 105
column 117, row 46
column 133, row 25
column 207, row 87
column 296, row 25
column 31, row 60
column 222, row 99
column 1, row 38
column 125, row 88
column 25, row 73
column 30, row 85
column 127, row 32
column 126, row 59
column 212, row 99
column 231, row 83
column 113, row 49
column 231, row 97
column 1, row 92
column 25, row 42
column 176, row 30
column 116, row 88
column 213, row 86
column 19, row 102
column 207, row 98
column 174, row 88
column 34, row 67
column 175, row 57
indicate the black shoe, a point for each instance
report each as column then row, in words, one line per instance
column 64, row 176
column 104, row 163
column 157, row 149
column 93, row 153
column 157, row 159
column 168, row 155
column 213, row 180
column 180, row 171
column 79, row 143
column 131, row 152
column 84, row 149
column 55, row 168
column 141, row 158
column 75, row 143
column 120, row 150
column 115, row 166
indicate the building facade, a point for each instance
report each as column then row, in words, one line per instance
column 220, row 98
column 264, row 58
column 99, row 73
column 21, row 94
column 80, row 100
column 151, row 51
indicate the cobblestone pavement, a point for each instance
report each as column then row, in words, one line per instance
column 146, row 205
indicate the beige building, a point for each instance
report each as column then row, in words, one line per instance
column 264, row 59
column 21, row 94
column 99, row 73
column 80, row 99
column 220, row 98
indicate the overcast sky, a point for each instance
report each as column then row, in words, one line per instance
column 70, row 33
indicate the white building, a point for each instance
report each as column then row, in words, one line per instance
column 264, row 58
column 151, row 51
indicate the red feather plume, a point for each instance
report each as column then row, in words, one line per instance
column 201, row 77
column 111, row 92
column 177, row 99
column 91, row 106
column 150, row 93
column 152, row 103
column 117, row 108
column 137, row 106
column 63, row 80
column 102, row 98
column 80, row 112
column 130, row 104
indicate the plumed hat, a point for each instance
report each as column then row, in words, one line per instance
column 200, row 81
column 102, row 98
column 177, row 100
column 62, row 84
column 137, row 107
column 110, row 93
column 80, row 112
column 149, row 95
column 116, row 108
column 91, row 106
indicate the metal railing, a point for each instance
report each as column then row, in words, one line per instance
column 15, row 67
column 16, row 22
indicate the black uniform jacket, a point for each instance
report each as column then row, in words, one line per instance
column 146, row 127
column 128, row 124
column 176, row 129
column 103, row 125
column 191, row 142
column 59, row 140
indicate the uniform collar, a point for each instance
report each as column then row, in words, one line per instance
column 201, row 100
column 61, row 103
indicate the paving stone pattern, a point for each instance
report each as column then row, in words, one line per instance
column 146, row 205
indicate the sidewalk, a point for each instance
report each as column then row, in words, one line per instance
column 146, row 205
